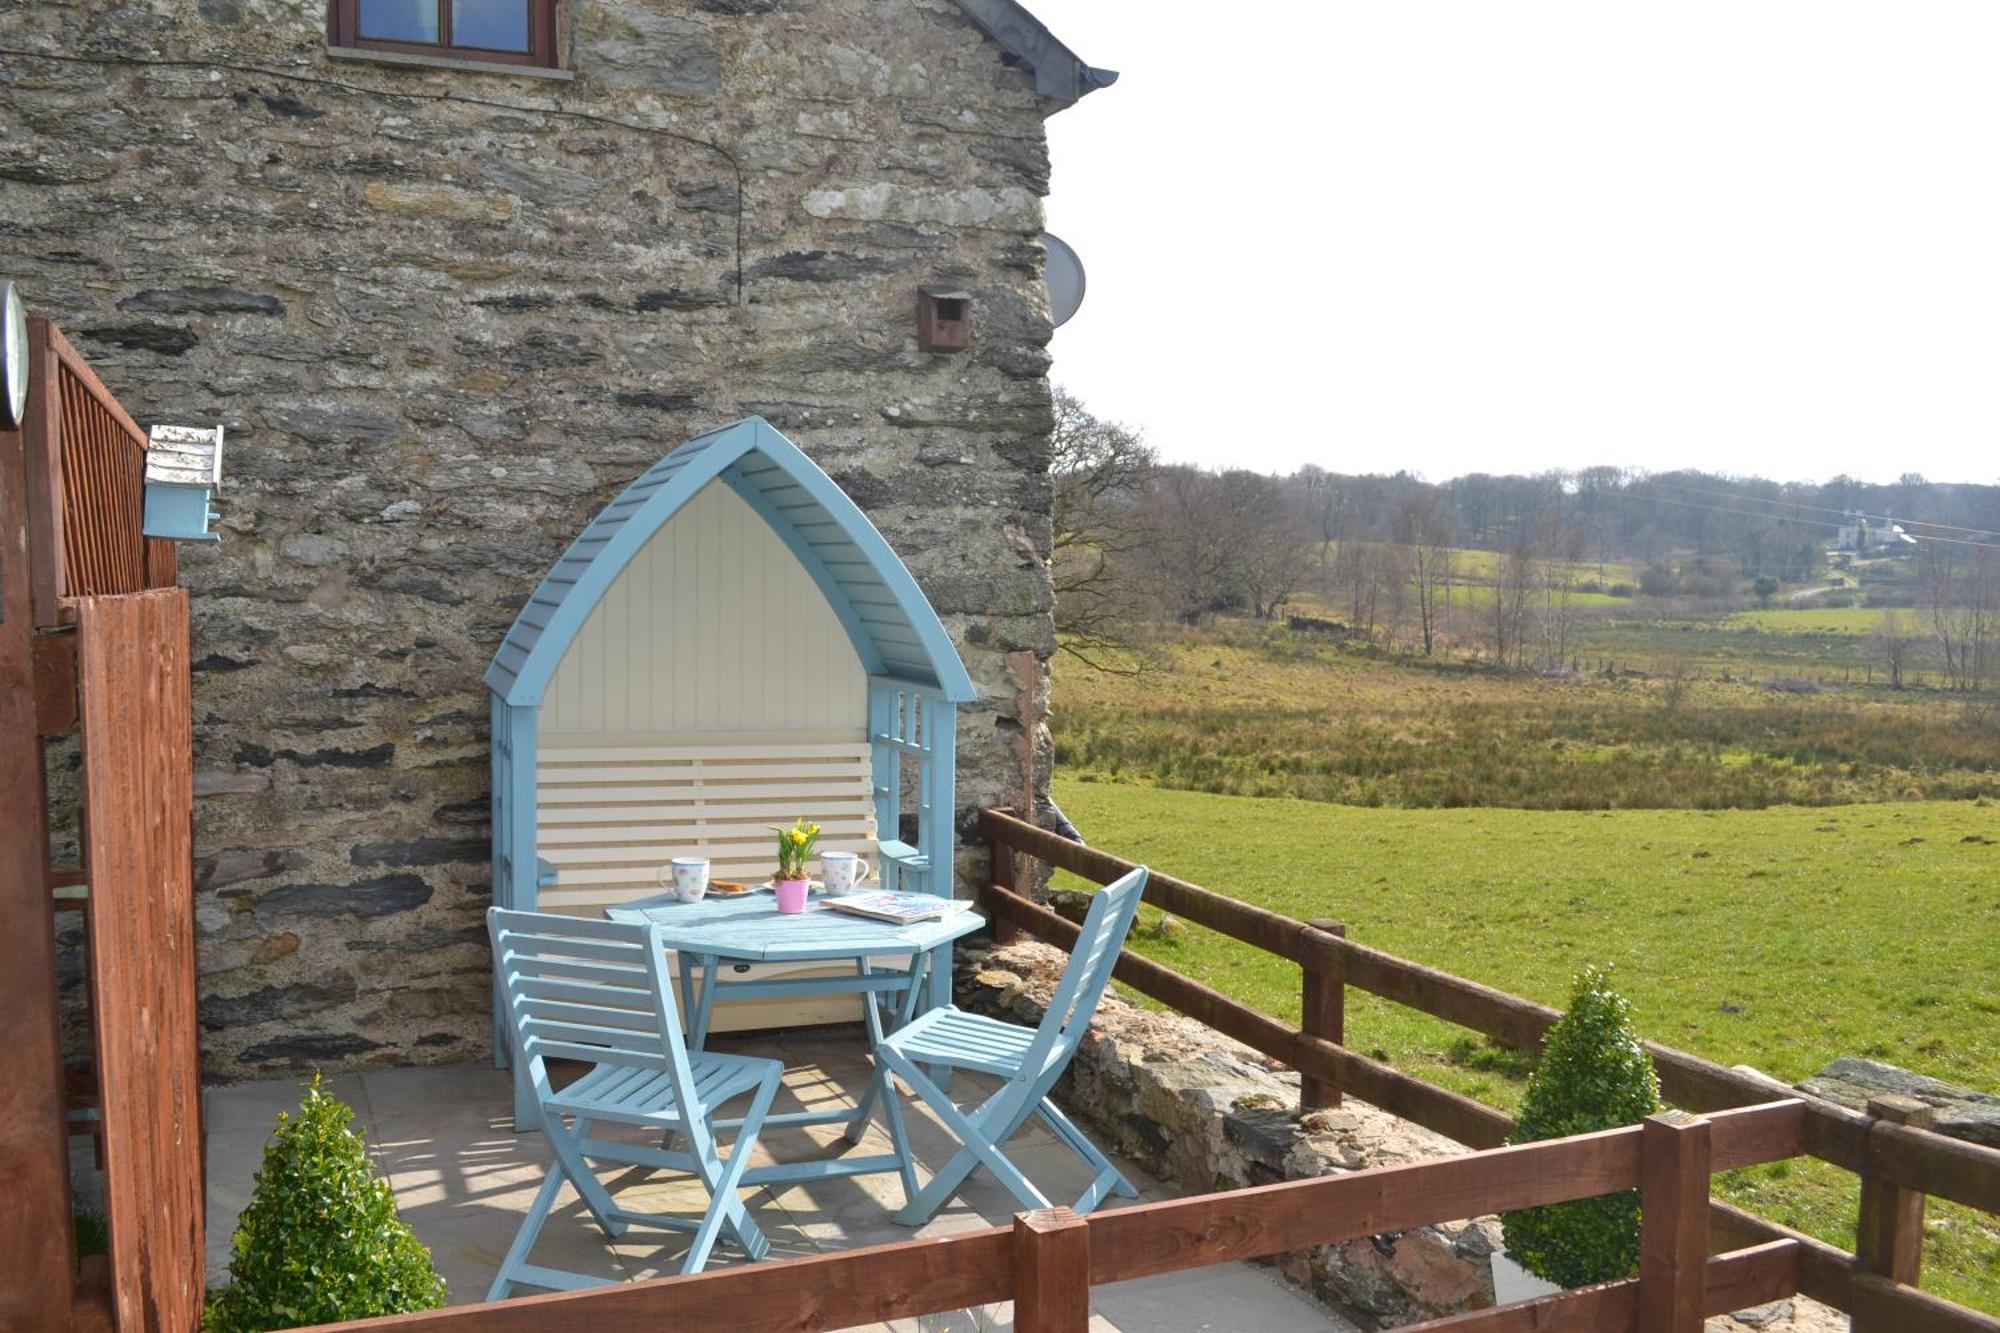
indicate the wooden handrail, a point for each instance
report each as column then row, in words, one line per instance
column 1915, row 1159
column 1050, row 1259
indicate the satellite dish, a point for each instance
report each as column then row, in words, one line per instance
column 1064, row 272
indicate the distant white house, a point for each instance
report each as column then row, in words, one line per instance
column 1884, row 536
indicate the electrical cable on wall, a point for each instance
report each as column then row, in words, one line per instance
column 363, row 90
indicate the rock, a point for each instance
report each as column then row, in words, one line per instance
column 374, row 897
column 1009, row 207
column 166, row 339
column 375, row 756
column 436, row 201
column 1962, row 1113
column 421, row 852
column 205, row 301
column 237, row 865
column 626, row 46
column 271, row 1003
column 312, row 1049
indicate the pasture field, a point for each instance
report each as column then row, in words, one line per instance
column 1260, row 711
column 1822, row 620
column 1781, row 938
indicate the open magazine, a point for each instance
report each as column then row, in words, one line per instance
column 903, row 909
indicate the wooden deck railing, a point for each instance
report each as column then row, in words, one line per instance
column 1899, row 1161
column 1047, row 1262
column 86, row 485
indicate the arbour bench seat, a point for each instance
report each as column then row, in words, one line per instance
column 612, row 810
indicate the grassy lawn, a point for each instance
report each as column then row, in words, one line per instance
column 1780, row 938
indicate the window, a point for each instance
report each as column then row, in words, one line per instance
column 510, row 32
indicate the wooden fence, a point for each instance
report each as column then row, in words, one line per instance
column 92, row 636
column 1047, row 1262
column 1898, row 1159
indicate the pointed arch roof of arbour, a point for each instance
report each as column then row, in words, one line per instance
column 890, row 622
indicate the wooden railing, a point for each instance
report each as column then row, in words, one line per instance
column 1898, row 1159
column 86, row 485
column 1047, row 1262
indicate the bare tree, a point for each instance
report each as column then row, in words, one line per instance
column 1507, row 615
column 1559, row 547
column 1273, row 550
column 1961, row 598
column 1894, row 645
column 1423, row 530
column 1097, row 471
column 1187, row 561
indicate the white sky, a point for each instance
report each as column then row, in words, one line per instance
column 1459, row 235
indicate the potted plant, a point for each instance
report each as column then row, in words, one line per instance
column 1593, row 1075
column 796, row 846
column 320, row 1241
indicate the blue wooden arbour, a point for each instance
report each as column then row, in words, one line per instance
column 915, row 677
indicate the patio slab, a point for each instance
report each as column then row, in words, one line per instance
column 463, row 1178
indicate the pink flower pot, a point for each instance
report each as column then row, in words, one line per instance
column 791, row 895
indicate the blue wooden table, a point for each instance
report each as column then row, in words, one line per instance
column 717, row 932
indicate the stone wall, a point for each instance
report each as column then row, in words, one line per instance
column 442, row 332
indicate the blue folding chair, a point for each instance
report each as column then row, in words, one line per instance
column 1029, row 1060
column 597, row 991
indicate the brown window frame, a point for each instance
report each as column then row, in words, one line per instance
column 343, row 29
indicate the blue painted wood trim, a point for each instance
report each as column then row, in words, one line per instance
column 522, row 889
column 531, row 681
column 888, row 566
column 720, row 449
column 885, row 772
column 497, row 787
column 943, row 796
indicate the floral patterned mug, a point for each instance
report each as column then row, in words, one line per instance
column 690, row 878
column 843, row 870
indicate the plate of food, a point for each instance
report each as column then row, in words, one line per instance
column 727, row 888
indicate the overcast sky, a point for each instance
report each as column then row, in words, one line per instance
column 1457, row 235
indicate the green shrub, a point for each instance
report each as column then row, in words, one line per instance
column 1593, row 1075
column 320, row 1241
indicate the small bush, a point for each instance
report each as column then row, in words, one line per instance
column 320, row 1241
column 1593, row 1075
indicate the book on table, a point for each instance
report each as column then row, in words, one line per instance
column 903, row 909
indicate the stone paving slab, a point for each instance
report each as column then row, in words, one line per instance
column 463, row 1178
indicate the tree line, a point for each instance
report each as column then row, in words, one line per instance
column 1141, row 541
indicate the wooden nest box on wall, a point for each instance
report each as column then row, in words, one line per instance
column 944, row 319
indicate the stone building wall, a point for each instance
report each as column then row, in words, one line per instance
column 444, row 316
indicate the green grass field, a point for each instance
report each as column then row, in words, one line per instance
column 1823, row 620
column 1780, row 938
column 1260, row 711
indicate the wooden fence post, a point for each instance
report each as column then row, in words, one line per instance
column 1323, row 1014
column 1001, row 854
column 1673, row 1228
column 1889, row 1240
column 1051, row 1272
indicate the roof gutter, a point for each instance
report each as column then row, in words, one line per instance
column 1060, row 74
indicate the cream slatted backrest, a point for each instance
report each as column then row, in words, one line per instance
column 612, row 811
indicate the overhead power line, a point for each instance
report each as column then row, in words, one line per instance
column 1803, row 505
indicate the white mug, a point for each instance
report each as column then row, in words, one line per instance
column 842, row 871
column 690, row 878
